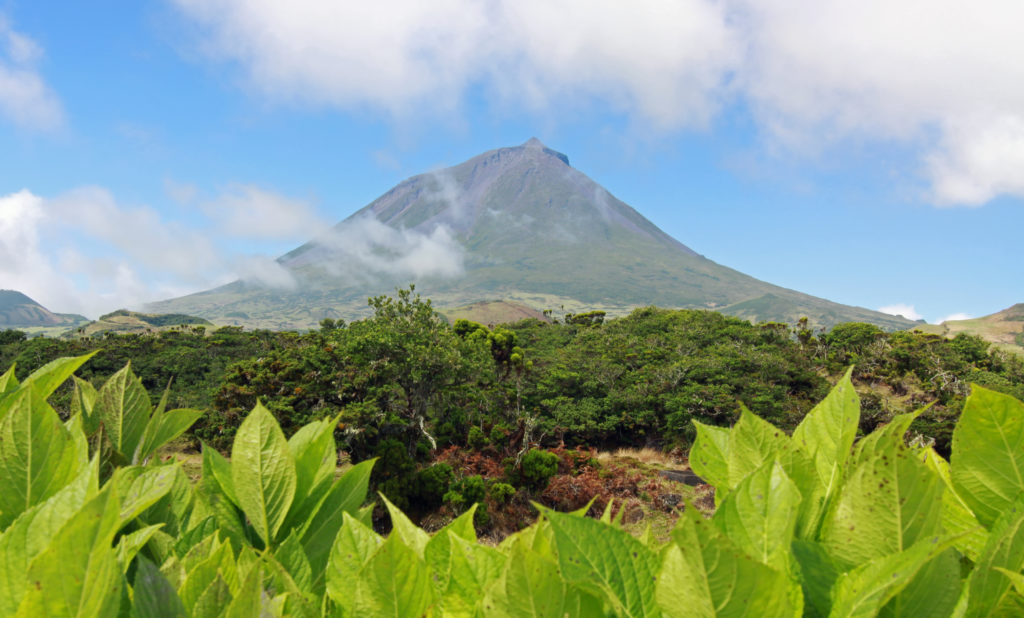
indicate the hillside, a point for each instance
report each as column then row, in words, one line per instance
column 125, row 322
column 517, row 224
column 1004, row 328
column 21, row 312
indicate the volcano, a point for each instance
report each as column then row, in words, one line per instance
column 516, row 224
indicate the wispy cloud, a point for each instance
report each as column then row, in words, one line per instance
column 954, row 316
column 941, row 77
column 25, row 98
column 902, row 309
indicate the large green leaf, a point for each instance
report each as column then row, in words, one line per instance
column 708, row 456
column 933, row 591
column 529, row 587
column 888, row 504
column 155, row 597
column 393, row 582
column 291, row 556
column 145, row 490
column 50, row 376
column 866, row 589
column 263, row 472
column 1004, row 550
column 34, row 530
column 217, row 469
column 885, row 439
column 818, row 573
column 8, row 381
column 83, row 402
column 124, row 408
column 315, row 456
column 704, row 575
column 162, row 429
column 760, row 514
column 78, row 574
column 987, row 464
column 38, row 456
column 345, row 496
column 752, row 443
column 606, row 561
column 202, row 579
column 471, row 569
column 438, row 552
column 827, row 433
column 355, row 545
column 957, row 518
column 401, row 526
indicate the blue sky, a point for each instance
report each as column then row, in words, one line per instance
column 871, row 153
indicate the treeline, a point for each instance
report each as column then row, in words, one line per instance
column 404, row 380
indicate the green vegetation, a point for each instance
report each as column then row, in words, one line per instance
column 814, row 524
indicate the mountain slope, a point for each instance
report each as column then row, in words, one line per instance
column 19, row 311
column 517, row 224
column 1004, row 328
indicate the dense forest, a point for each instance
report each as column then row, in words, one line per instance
column 453, row 410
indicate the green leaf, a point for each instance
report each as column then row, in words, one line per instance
column 217, row 469
column 249, row 601
column 957, row 518
column 294, row 560
column 760, row 514
column 412, row 536
column 8, row 381
column 263, row 472
column 130, row 544
column 162, row 429
column 145, row 490
column 864, row 590
column 50, row 376
column 827, row 433
column 154, row 595
column 885, row 439
column 704, row 575
column 353, row 548
column 987, row 464
column 345, row 496
column 470, row 570
column 708, row 456
column 818, row 573
column 606, row 561
column 123, row 407
column 888, row 504
column 38, row 456
column 202, row 578
column 1004, row 550
column 315, row 456
column 752, row 443
column 933, row 591
column 1016, row 578
column 213, row 600
column 34, row 530
column 394, row 582
column 78, row 574
column 83, row 402
column 529, row 587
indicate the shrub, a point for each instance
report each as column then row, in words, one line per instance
column 476, row 439
column 535, row 470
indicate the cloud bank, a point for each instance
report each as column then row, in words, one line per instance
column 25, row 99
column 942, row 77
column 114, row 255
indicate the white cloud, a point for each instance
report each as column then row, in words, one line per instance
column 25, row 99
column 954, row 316
column 365, row 249
column 902, row 309
column 940, row 76
column 248, row 211
column 111, row 255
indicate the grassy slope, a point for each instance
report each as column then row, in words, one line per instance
column 1005, row 329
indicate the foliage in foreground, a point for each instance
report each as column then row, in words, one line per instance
column 813, row 524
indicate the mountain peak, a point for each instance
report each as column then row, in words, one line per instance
column 535, row 144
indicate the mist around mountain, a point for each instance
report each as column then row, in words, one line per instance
column 18, row 311
column 516, row 224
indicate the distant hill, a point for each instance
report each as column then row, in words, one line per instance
column 124, row 322
column 494, row 312
column 21, row 312
column 1004, row 328
column 517, row 224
